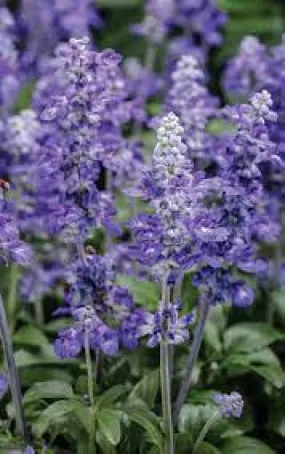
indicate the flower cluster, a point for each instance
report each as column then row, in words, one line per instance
column 45, row 25
column 211, row 222
column 255, row 68
column 98, row 306
column 166, row 324
column 161, row 235
column 230, row 405
column 240, row 212
column 190, row 100
column 158, row 18
column 200, row 21
column 83, row 117
column 20, row 144
column 12, row 248
column 248, row 152
column 9, row 70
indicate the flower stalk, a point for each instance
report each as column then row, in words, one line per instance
column 211, row 421
column 88, row 360
column 12, row 372
column 12, row 296
column 198, row 336
column 165, row 379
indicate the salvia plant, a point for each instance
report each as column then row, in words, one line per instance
column 141, row 242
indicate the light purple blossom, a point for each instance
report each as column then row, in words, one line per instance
column 230, row 405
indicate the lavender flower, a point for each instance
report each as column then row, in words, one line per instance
column 83, row 117
column 8, row 61
column 248, row 72
column 166, row 324
column 190, row 100
column 255, row 68
column 46, row 25
column 12, row 249
column 201, row 18
column 20, row 142
column 99, row 307
column 199, row 21
column 157, row 20
column 68, row 344
column 230, row 405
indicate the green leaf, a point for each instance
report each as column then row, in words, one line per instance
column 277, row 418
column 30, row 335
column 242, row 6
column 247, row 337
column 56, row 325
column 207, row 448
column 183, row 443
column 264, row 362
column 145, row 293
column 273, row 375
column 58, row 411
column 108, row 398
column 279, row 305
column 25, row 97
column 105, row 445
column 110, row 425
column 118, row 3
column 49, row 390
column 212, row 337
column 147, row 388
column 27, row 359
column 148, row 422
column 193, row 417
column 245, row 445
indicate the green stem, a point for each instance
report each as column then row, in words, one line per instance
column 39, row 312
column 165, row 380
column 14, row 380
column 177, row 291
column 89, row 367
column 88, row 360
column 204, row 431
column 12, row 303
column 97, row 364
column 198, row 336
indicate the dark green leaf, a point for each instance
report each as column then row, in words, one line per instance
column 56, row 325
column 263, row 362
column 30, row 335
column 26, row 359
column 109, row 397
column 147, row 388
column 245, row 445
column 206, row 448
column 193, row 417
column 273, row 375
column 247, row 337
column 183, row 443
column 212, row 337
column 148, row 422
column 58, row 411
column 105, row 445
column 110, row 425
column 30, row 375
column 49, row 390
column 117, row 3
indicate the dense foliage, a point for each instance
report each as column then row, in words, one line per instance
column 142, row 153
